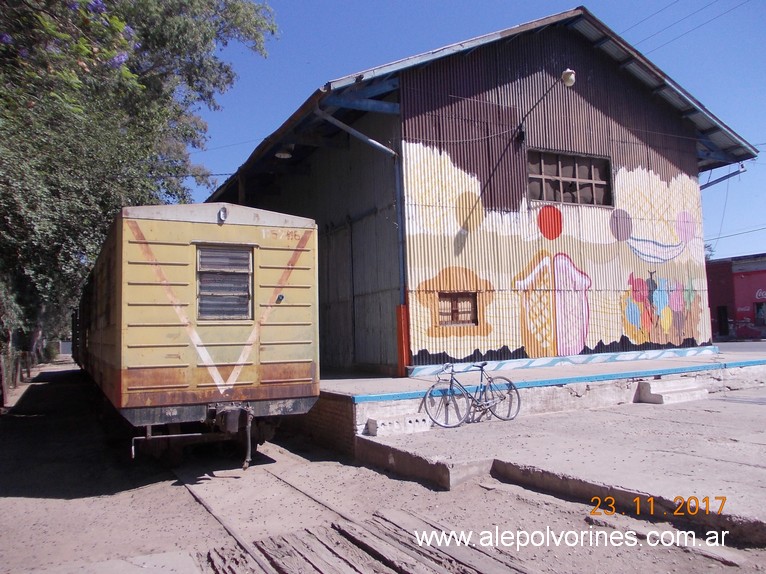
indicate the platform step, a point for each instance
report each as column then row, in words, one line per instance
column 669, row 391
column 400, row 424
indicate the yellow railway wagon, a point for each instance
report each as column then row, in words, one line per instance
column 203, row 313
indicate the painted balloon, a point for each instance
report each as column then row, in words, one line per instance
column 633, row 314
column 639, row 289
column 621, row 224
column 550, row 222
column 685, row 227
column 677, row 298
column 666, row 319
column 660, row 298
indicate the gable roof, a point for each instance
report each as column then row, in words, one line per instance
column 349, row 96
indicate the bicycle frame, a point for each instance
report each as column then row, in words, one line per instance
column 476, row 393
column 449, row 403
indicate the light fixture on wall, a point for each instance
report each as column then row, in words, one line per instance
column 285, row 152
column 567, row 78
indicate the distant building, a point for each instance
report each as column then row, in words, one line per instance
column 472, row 205
column 737, row 296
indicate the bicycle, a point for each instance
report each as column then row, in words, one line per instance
column 449, row 403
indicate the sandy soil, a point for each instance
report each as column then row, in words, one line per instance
column 70, row 497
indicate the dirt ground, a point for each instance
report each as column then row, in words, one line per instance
column 70, row 497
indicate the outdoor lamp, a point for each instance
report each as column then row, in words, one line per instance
column 568, row 77
column 285, row 152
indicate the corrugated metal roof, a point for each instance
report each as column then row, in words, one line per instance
column 717, row 144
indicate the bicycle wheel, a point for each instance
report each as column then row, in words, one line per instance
column 447, row 403
column 503, row 398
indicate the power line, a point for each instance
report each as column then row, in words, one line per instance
column 723, row 212
column 696, row 27
column 674, row 23
column 649, row 16
column 757, row 229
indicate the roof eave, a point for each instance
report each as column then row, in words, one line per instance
column 739, row 150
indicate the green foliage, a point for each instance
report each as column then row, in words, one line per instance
column 58, row 49
column 98, row 109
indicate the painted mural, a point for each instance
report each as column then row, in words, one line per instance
column 553, row 279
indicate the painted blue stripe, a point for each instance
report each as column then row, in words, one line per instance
column 401, row 396
column 599, row 358
column 735, row 364
column 409, row 395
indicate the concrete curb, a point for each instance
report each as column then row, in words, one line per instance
column 743, row 530
column 445, row 475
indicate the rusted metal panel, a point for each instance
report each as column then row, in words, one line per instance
column 551, row 278
column 170, row 395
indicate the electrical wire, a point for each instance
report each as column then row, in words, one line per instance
column 757, row 229
column 649, row 16
column 697, row 27
column 723, row 212
column 674, row 23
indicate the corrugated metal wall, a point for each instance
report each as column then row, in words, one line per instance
column 351, row 195
column 553, row 279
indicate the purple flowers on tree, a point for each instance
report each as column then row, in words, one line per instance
column 118, row 60
column 97, row 6
column 6, row 38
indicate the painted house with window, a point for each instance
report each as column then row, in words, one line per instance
column 529, row 193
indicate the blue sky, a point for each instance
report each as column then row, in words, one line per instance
column 715, row 49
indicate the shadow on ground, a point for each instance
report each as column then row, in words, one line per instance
column 61, row 441
column 53, row 444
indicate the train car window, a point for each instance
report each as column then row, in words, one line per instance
column 224, row 280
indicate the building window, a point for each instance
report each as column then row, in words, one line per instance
column 569, row 178
column 457, row 309
column 224, row 279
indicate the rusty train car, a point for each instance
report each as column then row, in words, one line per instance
column 203, row 313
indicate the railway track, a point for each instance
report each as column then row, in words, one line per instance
column 382, row 543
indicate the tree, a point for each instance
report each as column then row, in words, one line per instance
column 99, row 103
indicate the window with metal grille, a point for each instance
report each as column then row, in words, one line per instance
column 457, row 309
column 224, row 280
column 569, row 178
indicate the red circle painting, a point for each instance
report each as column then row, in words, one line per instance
column 549, row 222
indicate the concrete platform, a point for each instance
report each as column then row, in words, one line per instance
column 705, row 449
column 582, row 433
column 346, row 405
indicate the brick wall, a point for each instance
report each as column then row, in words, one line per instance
column 330, row 423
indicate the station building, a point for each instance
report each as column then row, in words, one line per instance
column 530, row 194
